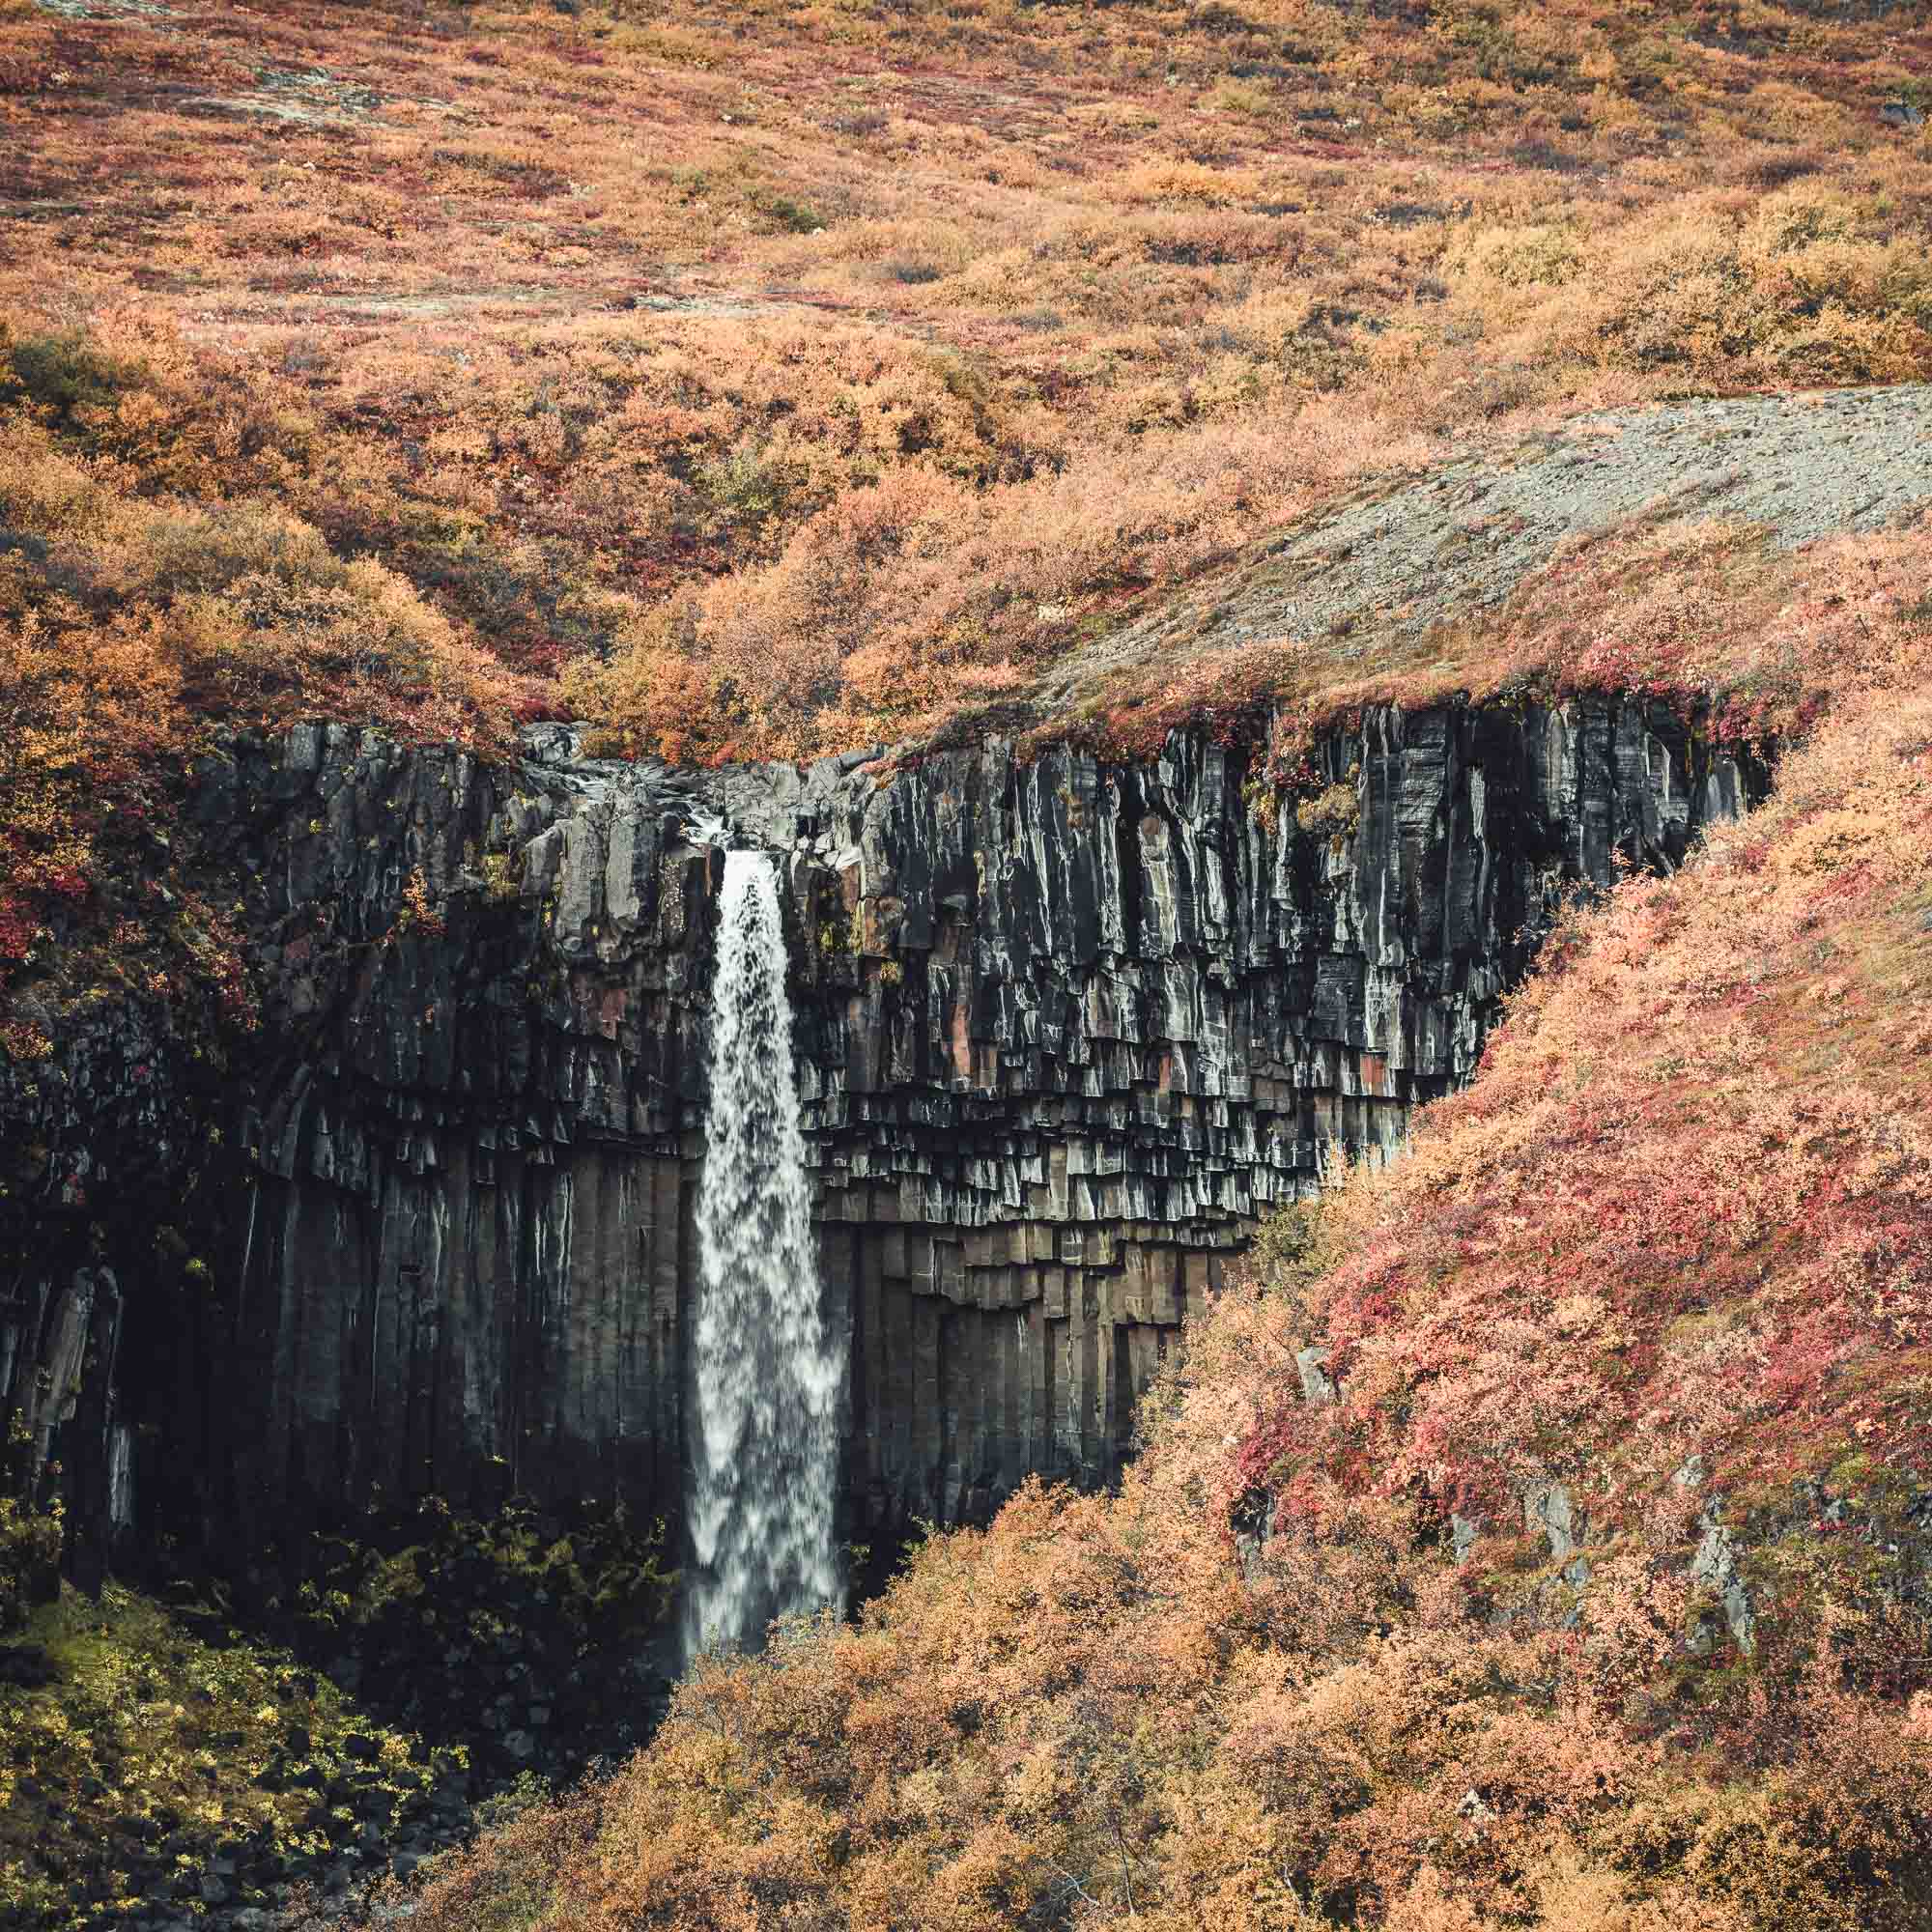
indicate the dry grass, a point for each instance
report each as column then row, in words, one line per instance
column 790, row 375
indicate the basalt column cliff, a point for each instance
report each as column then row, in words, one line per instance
column 1065, row 1029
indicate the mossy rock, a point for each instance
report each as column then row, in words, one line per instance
column 147, row 1763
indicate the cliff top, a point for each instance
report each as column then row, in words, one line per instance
column 1518, row 568
column 779, row 379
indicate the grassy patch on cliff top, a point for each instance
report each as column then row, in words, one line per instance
column 158, row 580
column 1750, row 640
column 787, row 377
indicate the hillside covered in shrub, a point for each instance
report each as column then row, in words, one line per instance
column 779, row 377
column 1540, row 1535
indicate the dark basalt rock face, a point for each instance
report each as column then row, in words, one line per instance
column 1065, row 1029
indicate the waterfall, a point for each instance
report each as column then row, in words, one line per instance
column 768, row 1374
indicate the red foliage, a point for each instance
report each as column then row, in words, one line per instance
column 18, row 928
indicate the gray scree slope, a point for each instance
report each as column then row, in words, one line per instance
column 1398, row 558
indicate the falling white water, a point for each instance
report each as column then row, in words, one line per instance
column 768, row 1376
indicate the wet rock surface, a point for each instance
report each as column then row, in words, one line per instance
column 1065, row 1029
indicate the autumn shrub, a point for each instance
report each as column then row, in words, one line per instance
column 505, row 1888
column 1808, row 283
column 58, row 374
column 1675, row 1292
column 146, row 603
column 895, row 604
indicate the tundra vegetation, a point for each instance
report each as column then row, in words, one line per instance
column 779, row 377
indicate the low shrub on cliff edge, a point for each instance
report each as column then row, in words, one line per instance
column 1750, row 642
column 153, row 590
column 1597, row 1598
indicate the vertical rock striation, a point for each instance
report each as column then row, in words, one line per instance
column 1065, row 1029
column 1090, row 1021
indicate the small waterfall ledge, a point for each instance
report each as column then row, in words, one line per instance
column 768, row 1374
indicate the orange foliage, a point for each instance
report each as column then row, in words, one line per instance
column 145, row 601
column 605, row 328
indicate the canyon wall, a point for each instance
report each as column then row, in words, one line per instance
column 1065, row 1029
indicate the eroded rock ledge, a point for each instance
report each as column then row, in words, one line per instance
column 1065, row 1030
